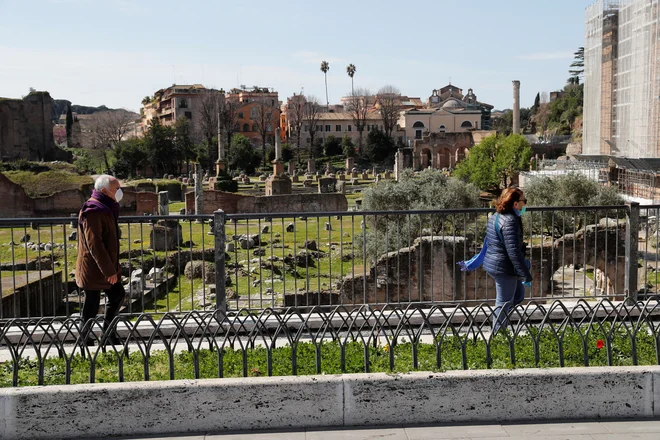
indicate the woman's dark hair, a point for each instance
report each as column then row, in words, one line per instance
column 506, row 200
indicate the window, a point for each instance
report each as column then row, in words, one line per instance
column 327, row 128
column 466, row 124
column 319, row 128
column 272, row 102
column 189, row 115
column 442, row 129
column 246, row 127
column 337, row 127
column 254, row 113
column 350, row 127
column 418, row 134
column 240, row 115
column 183, row 103
column 368, row 127
column 306, row 128
column 254, row 128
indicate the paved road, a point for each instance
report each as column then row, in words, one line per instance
column 625, row 430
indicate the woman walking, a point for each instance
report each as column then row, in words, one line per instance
column 505, row 256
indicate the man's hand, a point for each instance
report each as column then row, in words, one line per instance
column 113, row 279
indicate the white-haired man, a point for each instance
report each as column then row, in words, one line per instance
column 97, row 266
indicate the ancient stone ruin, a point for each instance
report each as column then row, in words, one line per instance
column 428, row 271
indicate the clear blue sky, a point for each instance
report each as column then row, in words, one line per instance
column 115, row 52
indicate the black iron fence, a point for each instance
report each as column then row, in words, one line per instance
column 195, row 345
column 176, row 264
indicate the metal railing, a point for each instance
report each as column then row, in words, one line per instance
column 224, row 262
column 198, row 345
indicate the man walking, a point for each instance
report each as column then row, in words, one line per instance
column 97, row 266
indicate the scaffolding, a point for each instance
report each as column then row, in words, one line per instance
column 637, row 91
column 593, row 58
column 622, row 78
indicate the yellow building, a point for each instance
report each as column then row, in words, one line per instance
column 448, row 111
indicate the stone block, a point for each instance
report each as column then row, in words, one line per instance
column 327, row 185
column 200, row 269
column 166, row 235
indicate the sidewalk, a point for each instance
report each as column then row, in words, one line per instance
column 623, row 430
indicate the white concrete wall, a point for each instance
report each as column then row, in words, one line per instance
column 146, row 408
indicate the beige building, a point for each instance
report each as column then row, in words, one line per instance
column 172, row 103
column 340, row 124
column 448, row 111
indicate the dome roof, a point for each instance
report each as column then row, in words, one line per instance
column 452, row 103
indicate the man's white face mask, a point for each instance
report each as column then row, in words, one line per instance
column 119, row 195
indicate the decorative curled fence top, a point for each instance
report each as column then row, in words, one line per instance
column 366, row 339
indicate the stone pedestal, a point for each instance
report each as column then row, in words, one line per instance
column 350, row 163
column 311, row 166
column 327, row 185
column 365, row 176
column 278, row 185
column 278, row 167
column 295, row 179
column 292, row 168
column 341, row 177
column 354, row 175
column 220, row 167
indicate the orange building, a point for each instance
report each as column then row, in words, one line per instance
column 256, row 108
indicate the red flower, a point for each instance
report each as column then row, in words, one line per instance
column 600, row 344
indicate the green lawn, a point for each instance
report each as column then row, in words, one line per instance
column 450, row 353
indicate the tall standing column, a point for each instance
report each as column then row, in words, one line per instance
column 516, row 107
column 199, row 190
column 221, row 163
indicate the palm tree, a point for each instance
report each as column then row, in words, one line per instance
column 325, row 66
column 350, row 69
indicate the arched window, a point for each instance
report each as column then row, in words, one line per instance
column 466, row 124
column 419, row 129
column 442, row 129
column 183, row 103
column 246, row 127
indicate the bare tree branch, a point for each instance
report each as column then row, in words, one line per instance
column 295, row 110
column 389, row 100
column 264, row 118
column 358, row 105
column 104, row 130
column 312, row 115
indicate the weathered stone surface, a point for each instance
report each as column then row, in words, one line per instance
column 166, row 235
column 290, row 227
column 200, row 269
column 310, row 245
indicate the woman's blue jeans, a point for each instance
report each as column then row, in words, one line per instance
column 510, row 292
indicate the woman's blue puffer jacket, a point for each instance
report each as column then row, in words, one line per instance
column 506, row 258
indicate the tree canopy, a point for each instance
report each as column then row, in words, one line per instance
column 492, row 163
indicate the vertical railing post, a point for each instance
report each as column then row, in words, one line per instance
column 219, row 219
column 632, row 246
